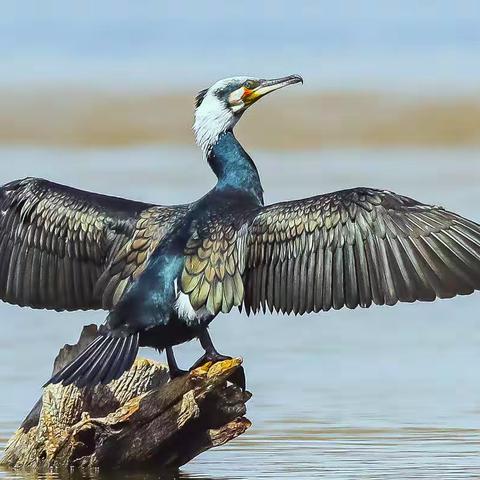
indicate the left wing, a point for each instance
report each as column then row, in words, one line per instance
column 67, row 249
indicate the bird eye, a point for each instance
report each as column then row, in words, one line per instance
column 250, row 84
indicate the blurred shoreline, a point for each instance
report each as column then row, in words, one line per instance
column 88, row 118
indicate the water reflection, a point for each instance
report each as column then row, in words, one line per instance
column 141, row 475
column 144, row 474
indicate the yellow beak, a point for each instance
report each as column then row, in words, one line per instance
column 267, row 86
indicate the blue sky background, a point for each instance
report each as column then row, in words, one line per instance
column 416, row 45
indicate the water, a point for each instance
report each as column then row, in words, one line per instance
column 379, row 393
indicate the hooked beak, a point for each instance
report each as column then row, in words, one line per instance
column 267, row 86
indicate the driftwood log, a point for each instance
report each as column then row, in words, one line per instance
column 139, row 420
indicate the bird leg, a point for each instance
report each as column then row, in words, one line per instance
column 211, row 354
column 172, row 365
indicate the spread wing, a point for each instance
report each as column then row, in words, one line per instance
column 67, row 249
column 357, row 247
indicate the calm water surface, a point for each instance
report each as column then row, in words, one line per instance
column 378, row 393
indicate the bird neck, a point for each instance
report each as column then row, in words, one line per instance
column 233, row 167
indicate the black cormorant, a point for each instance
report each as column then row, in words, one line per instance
column 165, row 272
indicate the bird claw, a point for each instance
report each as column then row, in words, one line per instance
column 209, row 357
column 236, row 378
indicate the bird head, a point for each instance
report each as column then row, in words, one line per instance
column 218, row 108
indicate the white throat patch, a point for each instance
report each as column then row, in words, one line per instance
column 213, row 117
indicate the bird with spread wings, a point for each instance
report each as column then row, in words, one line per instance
column 164, row 272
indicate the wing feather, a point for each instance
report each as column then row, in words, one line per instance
column 357, row 247
column 58, row 244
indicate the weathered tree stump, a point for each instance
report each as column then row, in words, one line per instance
column 139, row 420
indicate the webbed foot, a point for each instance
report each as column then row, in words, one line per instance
column 213, row 357
column 237, row 378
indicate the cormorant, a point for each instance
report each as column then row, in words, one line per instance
column 165, row 272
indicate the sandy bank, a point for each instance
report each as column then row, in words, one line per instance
column 80, row 118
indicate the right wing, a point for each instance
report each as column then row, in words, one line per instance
column 67, row 249
column 357, row 247
column 349, row 248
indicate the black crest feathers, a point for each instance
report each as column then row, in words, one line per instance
column 200, row 96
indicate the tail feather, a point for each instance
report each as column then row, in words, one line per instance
column 129, row 352
column 108, row 362
column 104, row 360
column 94, row 365
column 75, row 366
column 79, row 365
